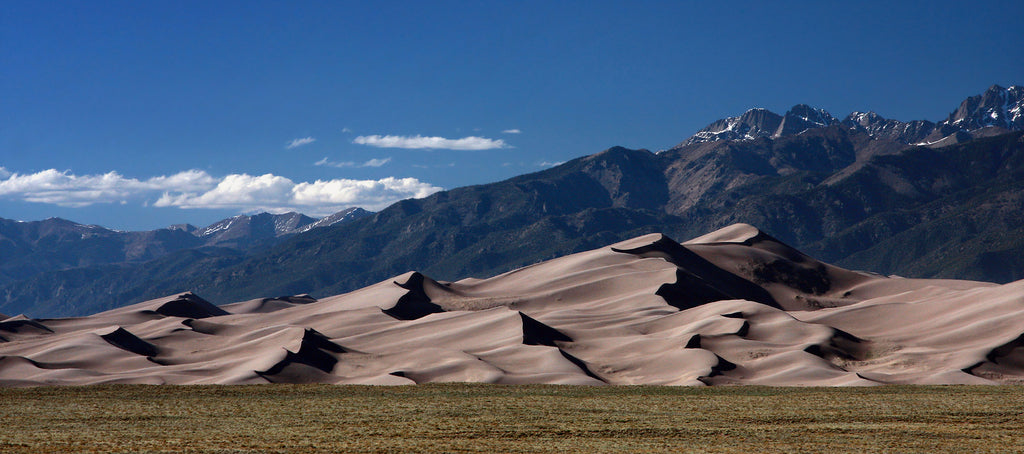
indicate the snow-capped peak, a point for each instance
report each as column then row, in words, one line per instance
column 997, row 107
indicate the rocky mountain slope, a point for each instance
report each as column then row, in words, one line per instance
column 37, row 249
column 29, row 248
column 246, row 230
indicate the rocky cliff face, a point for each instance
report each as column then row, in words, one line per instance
column 997, row 107
column 752, row 124
column 888, row 129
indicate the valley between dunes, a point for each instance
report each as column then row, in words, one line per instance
column 734, row 307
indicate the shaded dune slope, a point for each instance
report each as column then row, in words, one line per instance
column 735, row 306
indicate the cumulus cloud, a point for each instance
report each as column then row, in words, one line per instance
column 512, row 131
column 198, row 189
column 276, row 194
column 66, row 189
column 422, row 142
column 375, row 162
column 300, row 142
column 374, row 194
column 234, row 191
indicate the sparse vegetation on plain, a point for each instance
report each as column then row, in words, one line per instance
column 492, row 418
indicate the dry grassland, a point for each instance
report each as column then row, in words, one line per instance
column 489, row 418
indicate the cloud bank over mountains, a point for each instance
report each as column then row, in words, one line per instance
column 196, row 189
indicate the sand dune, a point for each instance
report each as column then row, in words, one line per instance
column 735, row 306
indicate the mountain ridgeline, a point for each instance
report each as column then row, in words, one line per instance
column 916, row 199
column 57, row 250
column 997, row 111
column 29, row 248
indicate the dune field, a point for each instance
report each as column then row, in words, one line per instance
column 732, row 307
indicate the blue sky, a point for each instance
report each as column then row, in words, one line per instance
column 137, row 115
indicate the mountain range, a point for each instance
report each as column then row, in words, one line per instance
column 55, row 244
column 918, row 199
column 994, row 112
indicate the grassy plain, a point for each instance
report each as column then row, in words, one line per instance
column 491, row 418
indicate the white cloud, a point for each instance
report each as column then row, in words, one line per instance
column 370, row 194
column 512, row 131
column 234, row 191
column 550, row 164
column 434, row 166
column 198, row 189
column 277, row 194
column 346, row 130
column 300, row 142
column 182, row 181
column 421, row 142
column 375, row 162
column 70, row 190
column 329, row 163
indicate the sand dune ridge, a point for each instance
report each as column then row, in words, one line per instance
column 735, row 306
